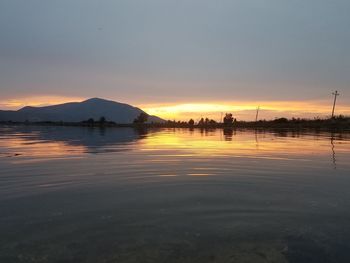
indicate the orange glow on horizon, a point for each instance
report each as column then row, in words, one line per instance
column 244, row 110
column 37, row 101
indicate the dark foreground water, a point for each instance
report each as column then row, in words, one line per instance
column 125, row 195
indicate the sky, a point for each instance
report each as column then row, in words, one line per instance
column 178, row 58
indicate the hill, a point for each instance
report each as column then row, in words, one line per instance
column 78, row 111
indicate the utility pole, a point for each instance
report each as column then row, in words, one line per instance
column 336, row 94
column 257, row 114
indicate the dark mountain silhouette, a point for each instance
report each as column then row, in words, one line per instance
column 78, row 111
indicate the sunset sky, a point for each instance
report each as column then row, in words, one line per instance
column 178, row 58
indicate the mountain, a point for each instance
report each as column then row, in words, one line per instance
column 78, row 111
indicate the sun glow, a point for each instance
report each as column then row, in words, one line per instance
column 244, row 110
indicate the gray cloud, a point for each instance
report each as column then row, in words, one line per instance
column 167, row 50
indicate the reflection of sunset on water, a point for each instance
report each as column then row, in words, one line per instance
column 32, row 149
column 172, row 152
column 93, row 177
column 235, row 143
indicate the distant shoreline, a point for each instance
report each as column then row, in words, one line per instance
column 335, row 124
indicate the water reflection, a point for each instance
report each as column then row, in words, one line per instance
column 65, row 141
column 48, row 142
column 173, row 195
column 333, row 152
column 256, row 140
column 281, row 144
column 228, row 134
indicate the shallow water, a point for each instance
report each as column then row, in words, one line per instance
column 71, row 194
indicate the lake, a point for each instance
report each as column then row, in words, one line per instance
column 73, row 194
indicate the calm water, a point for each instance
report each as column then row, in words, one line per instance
column 125, row 195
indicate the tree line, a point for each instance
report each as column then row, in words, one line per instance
column 143, row 117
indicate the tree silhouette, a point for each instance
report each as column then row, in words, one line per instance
column 102, row 120
column 228, row 119
column 142, row 118
column 201, row 121
column 281, row 120
column 91, row 121
column 191, row 122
